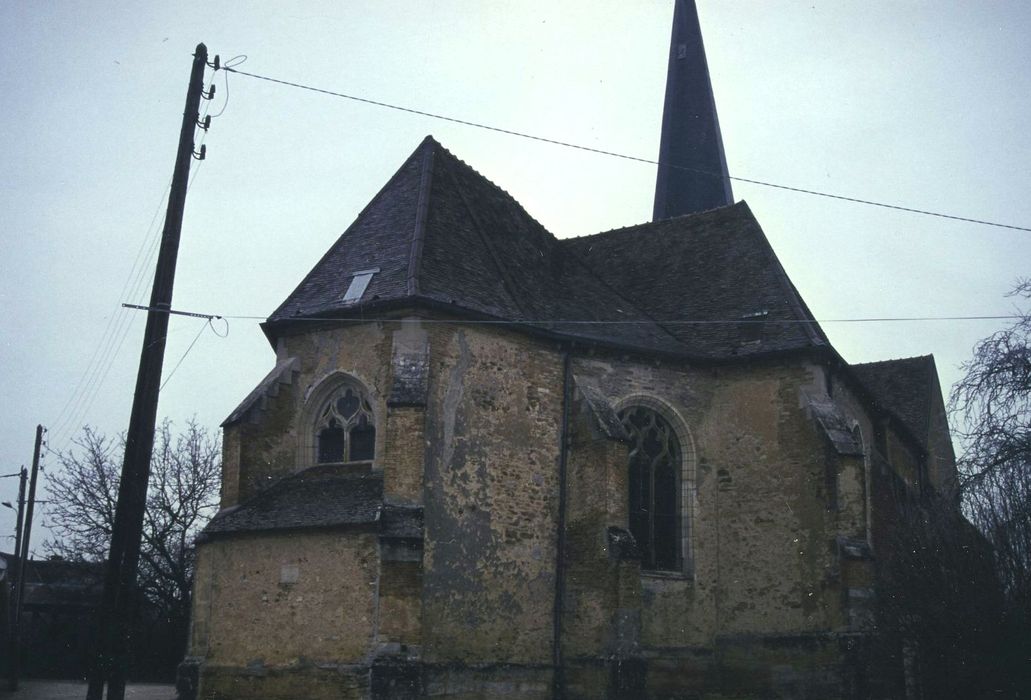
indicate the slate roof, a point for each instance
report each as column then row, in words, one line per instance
column 52, row 583
column 318, row 497
column 904, row 387
column 282, row 373
column 693, row 273
column 835, row 425
column 442, row 235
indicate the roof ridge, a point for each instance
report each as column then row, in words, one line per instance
column 426, row 142
column 929, row 356
column 506, row 282
column 495, row 185
column 421, row 214
column 554, row 244
column 590, row 270
column 661, row 222
column 798, row 306
column 876, row 377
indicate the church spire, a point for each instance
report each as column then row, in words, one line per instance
column 690, row 129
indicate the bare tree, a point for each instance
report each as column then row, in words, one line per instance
column 991, row 407
column 82, row 497
column 182, row 496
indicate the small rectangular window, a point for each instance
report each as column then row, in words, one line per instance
column 359, row 283
column 751, row 326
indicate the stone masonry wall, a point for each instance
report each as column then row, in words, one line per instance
column 277, row 599
column 599, row 622
column 764, row 585
column 760, row 537
column 281, row 441
column 493, row 421
column 404, row 454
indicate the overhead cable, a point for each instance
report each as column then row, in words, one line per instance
column 113, row 337
column 638, row 159
column 190, row 347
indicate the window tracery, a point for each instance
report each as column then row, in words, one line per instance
column 345, row 430
column 654, row 488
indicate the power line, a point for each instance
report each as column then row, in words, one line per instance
column 85, row 392
column 599, row 151
column 190, row 347
column 234, row 61
column 127, row 286
column 113, row 338
column 209, row 324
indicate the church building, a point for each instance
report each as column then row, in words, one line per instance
column 488, row 462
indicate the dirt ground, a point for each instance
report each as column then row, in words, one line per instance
column 74, row 690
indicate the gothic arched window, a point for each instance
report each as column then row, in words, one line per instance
column 345, row 429
column 654, row 493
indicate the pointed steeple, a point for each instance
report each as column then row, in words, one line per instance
column 691, row 138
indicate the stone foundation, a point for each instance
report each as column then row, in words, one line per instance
column 801, row 667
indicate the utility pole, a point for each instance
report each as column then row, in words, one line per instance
column 24, row 534
column 15, row 611
column 116, row 608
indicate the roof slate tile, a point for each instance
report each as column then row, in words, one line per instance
column 440, row 231
column 314, row 498
column 708, row 278
column 904, row 387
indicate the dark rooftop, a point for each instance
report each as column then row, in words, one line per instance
column 314, row 498
column 905, row 388
column 440, row 234
column 58, row 582
column 694, row 273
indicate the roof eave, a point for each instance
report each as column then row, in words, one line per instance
column 275, row 328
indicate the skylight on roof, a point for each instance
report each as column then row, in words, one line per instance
column 751, row 326
column 359, row 283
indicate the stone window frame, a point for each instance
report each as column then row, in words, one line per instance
column 854, row 427
column 688, row 478
column 314, row 404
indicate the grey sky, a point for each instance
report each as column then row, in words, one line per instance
column 917, row 103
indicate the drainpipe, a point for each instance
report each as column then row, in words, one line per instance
column 558, row 679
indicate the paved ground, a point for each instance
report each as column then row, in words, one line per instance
column 73, row 690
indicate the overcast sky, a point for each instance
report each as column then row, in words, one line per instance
column 922, row 104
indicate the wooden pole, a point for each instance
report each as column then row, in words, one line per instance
column 116, row 608
column 15, row 611
column 23, row 560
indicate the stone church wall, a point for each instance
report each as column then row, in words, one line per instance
column 274, row 442
column 253, row 594
column 602, row 606
column 761, row 589
column 492, row 430
column 761, row 605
